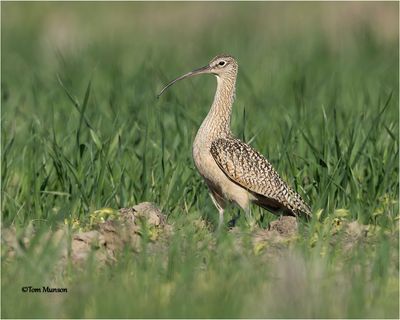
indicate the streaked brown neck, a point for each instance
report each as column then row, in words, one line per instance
column 218, row 120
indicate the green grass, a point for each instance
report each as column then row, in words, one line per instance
column 82, row 129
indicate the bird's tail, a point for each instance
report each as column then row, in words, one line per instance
column 301, row 208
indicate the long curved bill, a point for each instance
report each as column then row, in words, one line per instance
column 201, row 70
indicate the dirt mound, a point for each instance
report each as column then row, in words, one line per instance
column 103, row 242
column 286, row 226
column 111, row 232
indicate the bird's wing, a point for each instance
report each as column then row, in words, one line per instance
column 248, row 168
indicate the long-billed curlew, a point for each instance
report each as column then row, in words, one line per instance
column 232, row 169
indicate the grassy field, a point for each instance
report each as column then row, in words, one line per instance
column 82, row 130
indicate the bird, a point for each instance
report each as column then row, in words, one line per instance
column 233, row 170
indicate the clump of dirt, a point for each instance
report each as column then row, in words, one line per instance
column 104, row 241
column 350, row 234
column 15, row 244
column 271, row 242
column 286, row 226
column 110, row 237
column 148, row 211
column 277, row 238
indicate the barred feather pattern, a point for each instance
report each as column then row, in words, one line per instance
column 248, row 168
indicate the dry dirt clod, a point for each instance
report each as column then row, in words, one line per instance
column 286, row 226
column 112, row 235
column 9, row 242
column 150, row 212
column 90, row 237
column 82, row 245
column 356, row 230
column 354, row 234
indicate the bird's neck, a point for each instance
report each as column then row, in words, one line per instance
column 218, row 120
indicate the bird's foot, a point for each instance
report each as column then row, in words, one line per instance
column 232, row 223
column 220, row 220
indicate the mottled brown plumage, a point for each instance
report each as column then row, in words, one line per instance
column 233, row 170
column 248, row 168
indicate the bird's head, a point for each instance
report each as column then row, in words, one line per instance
column 222, row 66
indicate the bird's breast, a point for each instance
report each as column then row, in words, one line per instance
column 202, row 157
column 214, row 176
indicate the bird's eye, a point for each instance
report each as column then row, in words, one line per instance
column 221, row 63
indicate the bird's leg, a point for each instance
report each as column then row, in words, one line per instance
column 232, row 222
column 244, row 203
column 250, row 219
column 219, row 203
column 221, row 218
